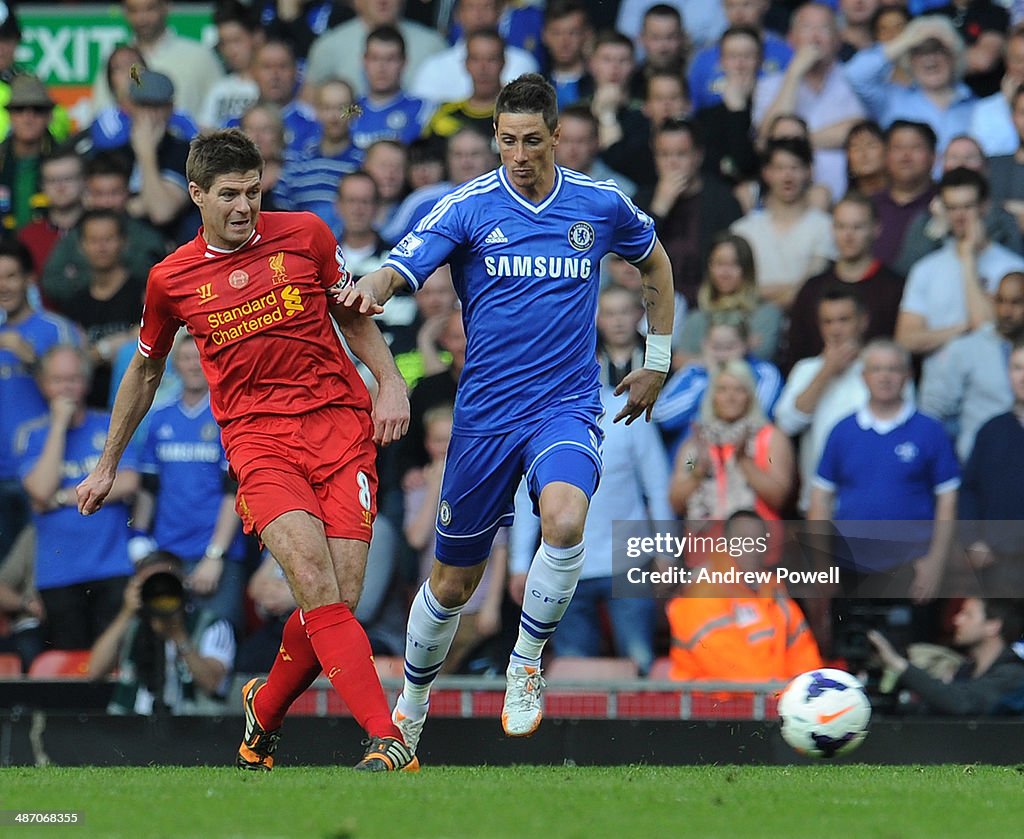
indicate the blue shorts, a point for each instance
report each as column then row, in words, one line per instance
column 481, row 475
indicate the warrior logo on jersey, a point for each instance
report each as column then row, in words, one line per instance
column 581, row 236
column 444, row 513
column 238, row 279
column 276, row 263
column 408, row 244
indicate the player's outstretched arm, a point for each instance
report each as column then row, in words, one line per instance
column 134, row 396
column 391, row 407
column 371, row 292
column 645, row 384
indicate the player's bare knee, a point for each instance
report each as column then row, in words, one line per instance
column 561, row 527
column 454, row 585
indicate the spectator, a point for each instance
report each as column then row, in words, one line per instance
column 704, row 22
column 626, row 493
column 663, row 44
column 735, row 459
column 67, row 271
column 565, row 34
column 825, row 388
column 468, row 155
column 21, row 608
column 578, row 148
column 909, row 158
column 415, row 347
column 187, row 500
column 239, row 36
column 309, row 181
column 623, row 130
column 928, row 230
column 301, row 22
column 855, row 30
column 481, row 617
column 887, row 462
column 384, row 161
column 61, row 176
column 386, row 111
column 338, row 51
column 156, row 157
column 866, row 172
column 424, row 164
column 855, row 227
column 356, row 206
column 992, row 120
column 739, row 633
column 192, row 67
column 966, row 383
column 947, row 292
column 29, row 141
column 277, row 73
column 665, row 98
column 110, row 308
column 273, row 602
column 170, row 656
column 111, row 127
column 982, row 25
column 484, row 64
column 619, row 342
column 446, row 76
column 82, row 588
column 986, row 629
column 791, row 239
column 26, row 334
column 727, row 339
column 991, row 505
column 1007, row 171
column 264, row 122
column 726, row 120
column 730, row 285
column 936, row 96
column 688, row 205
column 708, row 73
column 814, row 88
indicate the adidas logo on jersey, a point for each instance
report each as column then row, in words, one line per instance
column 496, row 237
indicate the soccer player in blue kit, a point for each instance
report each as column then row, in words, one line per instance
column 524, row 243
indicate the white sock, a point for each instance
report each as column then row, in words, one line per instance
column 428, row 638
column 549, row 588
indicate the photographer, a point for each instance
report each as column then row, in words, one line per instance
column 170, row 656
column 985, row 629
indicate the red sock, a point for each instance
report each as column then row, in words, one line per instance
column 345, row 655
column 295, row 669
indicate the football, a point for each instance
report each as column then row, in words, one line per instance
column 824, row 713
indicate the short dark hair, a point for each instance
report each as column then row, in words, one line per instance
column 1009, row 612
column 865, row 126
column 860, row 200
column 684, row 85
column 386, row 34
column 103, row 214
column 676, row 125
column 65, row 152
column 14, row 249
column 558, row 9
column 580, row 112
column 885, row 9
column 796, row 146
column 531, row 93
column 108, row 163
column 837, row 291
column 222, row 152
column 611, row 36
column 926, row 132
column 962, row 176
column 663, row 10
column 234, row 11
column 745, row 31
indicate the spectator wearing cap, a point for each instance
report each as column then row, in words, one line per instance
column 157, row 157
column 192, row 66
column 29, row 107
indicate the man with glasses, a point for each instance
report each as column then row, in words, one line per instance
column 63, row 183
column 30, row 107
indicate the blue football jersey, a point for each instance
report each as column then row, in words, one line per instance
column 20, row 399
column 183, row 449
column 401, row 119
column 527, row 275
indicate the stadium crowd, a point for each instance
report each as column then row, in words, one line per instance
column 839, row 186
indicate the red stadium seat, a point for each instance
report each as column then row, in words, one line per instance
column 10, row 665
column 581, row 669
column 60, row 664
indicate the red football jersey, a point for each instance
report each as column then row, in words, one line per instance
column 260, row 318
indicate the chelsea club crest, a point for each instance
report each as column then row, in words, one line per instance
column 581, row 236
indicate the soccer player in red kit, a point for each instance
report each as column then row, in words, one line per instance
column 257, row 292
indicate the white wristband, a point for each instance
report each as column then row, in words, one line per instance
column 658, row 355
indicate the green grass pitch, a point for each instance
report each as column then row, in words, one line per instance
column 542, row 802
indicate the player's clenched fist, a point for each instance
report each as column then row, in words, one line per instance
column 93, row 491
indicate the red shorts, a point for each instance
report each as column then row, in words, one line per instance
column 324, row 463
